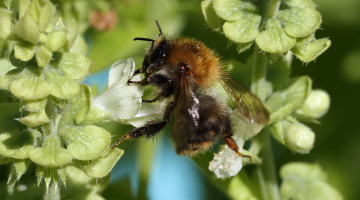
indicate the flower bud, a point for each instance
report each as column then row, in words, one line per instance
column 298, row 137
column 314, row 107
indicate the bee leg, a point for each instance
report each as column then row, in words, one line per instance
column 232, row 144
column 142, row 82
column 150, row 129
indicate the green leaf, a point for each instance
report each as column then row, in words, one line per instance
column 308, row 49
column 27, row 29
column 86, row 142
column 18, row 144
column 55, row 40
column 102, row 166
column 30, row 85
column 300, row 22
column 233, row 10
column 274, row 39
column 5, row 66
column 34, row 119
column 6, row 25
column 62, row 86
column 73, row 65
column 244, row 30
column 43, row 56
column 51, row 154
column 24, row 51
column 210, row 15
column 283, row 103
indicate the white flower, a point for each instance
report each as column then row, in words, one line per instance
column 120, row 99
column 227, row 163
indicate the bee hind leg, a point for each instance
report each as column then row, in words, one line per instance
column 232, row 144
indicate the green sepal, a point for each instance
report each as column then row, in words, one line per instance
column 80, row 105
column 17, row 144
column 244, row 30
column 34, row 119
column 17, row 62
column 24, row 51
column 102, row 166
column 255, row 160
column 5, row 66
column 55, row 174
column 308, row 49
column 306, row 181
column 23, row 7
column 9, row 112
column 51, row 154
column 95, row 115
column 43, row 55
column 80, row 46
column 62, row 86
column 18, row 168
column 86, row 142
column 30, row 85
column 233, row 10
column 73, row 65
column 27, row 29
column 241, row 47
column 5, row 160
column 34, row 105
column 6, row 25
column 300, row 3
column 210, row 15
column 283, row 103
column 72, row 34
column 274, row 39
column 300, row 22
column 46, row 14
column 55, row 40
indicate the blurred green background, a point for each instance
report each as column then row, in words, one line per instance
column 337, row 71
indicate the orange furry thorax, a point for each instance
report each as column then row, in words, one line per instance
column 204, row 64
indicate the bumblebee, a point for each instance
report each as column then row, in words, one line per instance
column 182, row 69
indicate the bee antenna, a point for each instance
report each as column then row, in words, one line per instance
column 157, row 23
column 144, row 39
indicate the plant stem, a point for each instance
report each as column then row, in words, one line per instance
column 266, row 170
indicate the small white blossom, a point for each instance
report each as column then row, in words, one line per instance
column 120, row 99
column 227, row 163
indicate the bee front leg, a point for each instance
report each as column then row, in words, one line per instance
column 232, row 144
column 150, row 129
column 142, row 82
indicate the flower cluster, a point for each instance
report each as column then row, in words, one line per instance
column 283, row 29
column 51, row 122
column 291, row 27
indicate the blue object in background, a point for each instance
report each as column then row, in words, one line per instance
column 174, row 177
column 99, row 79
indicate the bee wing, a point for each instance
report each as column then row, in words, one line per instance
column 245, row 102
column 186, row 114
